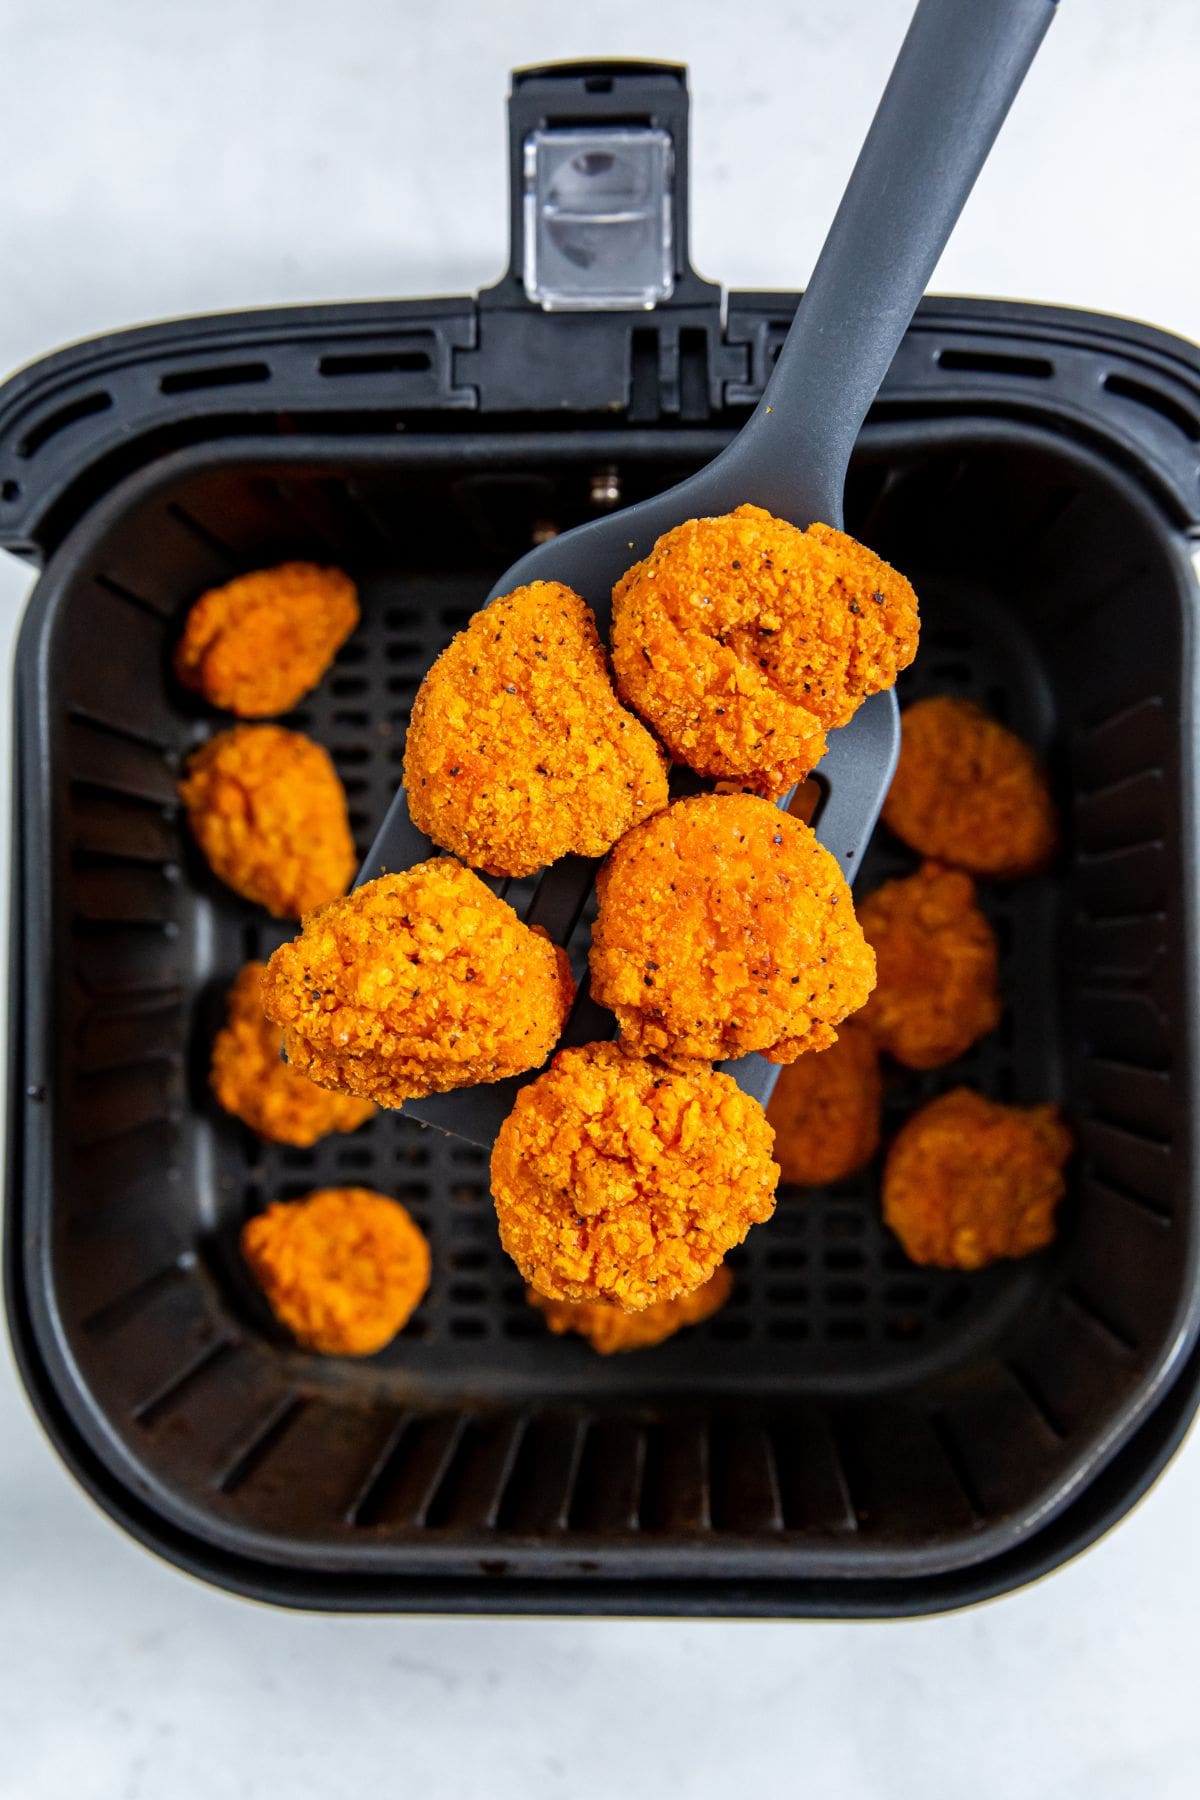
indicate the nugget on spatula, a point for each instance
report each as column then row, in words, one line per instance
column 623, row 1181
column 519, row 750
column 740, row 639
column 415, row 984
column 725, row 927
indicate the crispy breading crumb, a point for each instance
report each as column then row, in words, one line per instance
column 609, row 1328
column 968, row 791
column 938, row 981
column 725, row 927
column 968, row 1180
column 257, row 645
column 519, row 750
column 740, row 639
column 267, row 809
column 621, row 1180
column 825, row 1110
column 251, row 1080
column 343, row 1270
column 415, row 984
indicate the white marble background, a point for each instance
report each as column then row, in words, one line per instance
column 166, row 159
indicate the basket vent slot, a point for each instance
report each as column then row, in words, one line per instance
column 193, row 381
column 376, row 362
column 995, row 362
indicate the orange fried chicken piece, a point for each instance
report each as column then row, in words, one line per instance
column 519, row 750
column 740, row 639
column 267, row 809
column 725, row 927
column 610, row 1328
column 938, row 984
column 415, row 984
column 251, row 1080
column 621, row 1180
column 258, row 644
column 343, row 1269
column 825, row 1110
column 968, row 1180
column 968, row 791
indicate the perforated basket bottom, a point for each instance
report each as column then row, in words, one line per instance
column 823, row 1294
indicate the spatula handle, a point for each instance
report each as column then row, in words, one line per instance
column 956, row 76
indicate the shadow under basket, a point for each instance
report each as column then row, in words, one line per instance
column 852, row 1434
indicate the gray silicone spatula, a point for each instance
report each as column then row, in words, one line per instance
column 955, row 78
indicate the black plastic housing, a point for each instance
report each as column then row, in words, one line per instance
column 852, row 1436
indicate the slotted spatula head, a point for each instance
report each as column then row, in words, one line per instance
column 954, row 80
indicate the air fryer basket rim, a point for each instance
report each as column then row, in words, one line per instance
column 981, row 1547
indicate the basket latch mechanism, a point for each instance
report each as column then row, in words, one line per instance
column 598, row 160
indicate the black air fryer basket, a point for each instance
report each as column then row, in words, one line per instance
column 852, row 1435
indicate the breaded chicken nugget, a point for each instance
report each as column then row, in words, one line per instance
column 609, row 1328
column 519, row 750
column 937, row 988
column 740, row 639
column 343, row 1269
column 621, row 1180
column 266, row 807
column 825, row 1110
column 968, row 1180
column 968, row 791
column 725, row 927
column 415, row 984
column 258, row 644
column 251, row 1080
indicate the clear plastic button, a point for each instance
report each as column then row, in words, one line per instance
column 598, row 218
